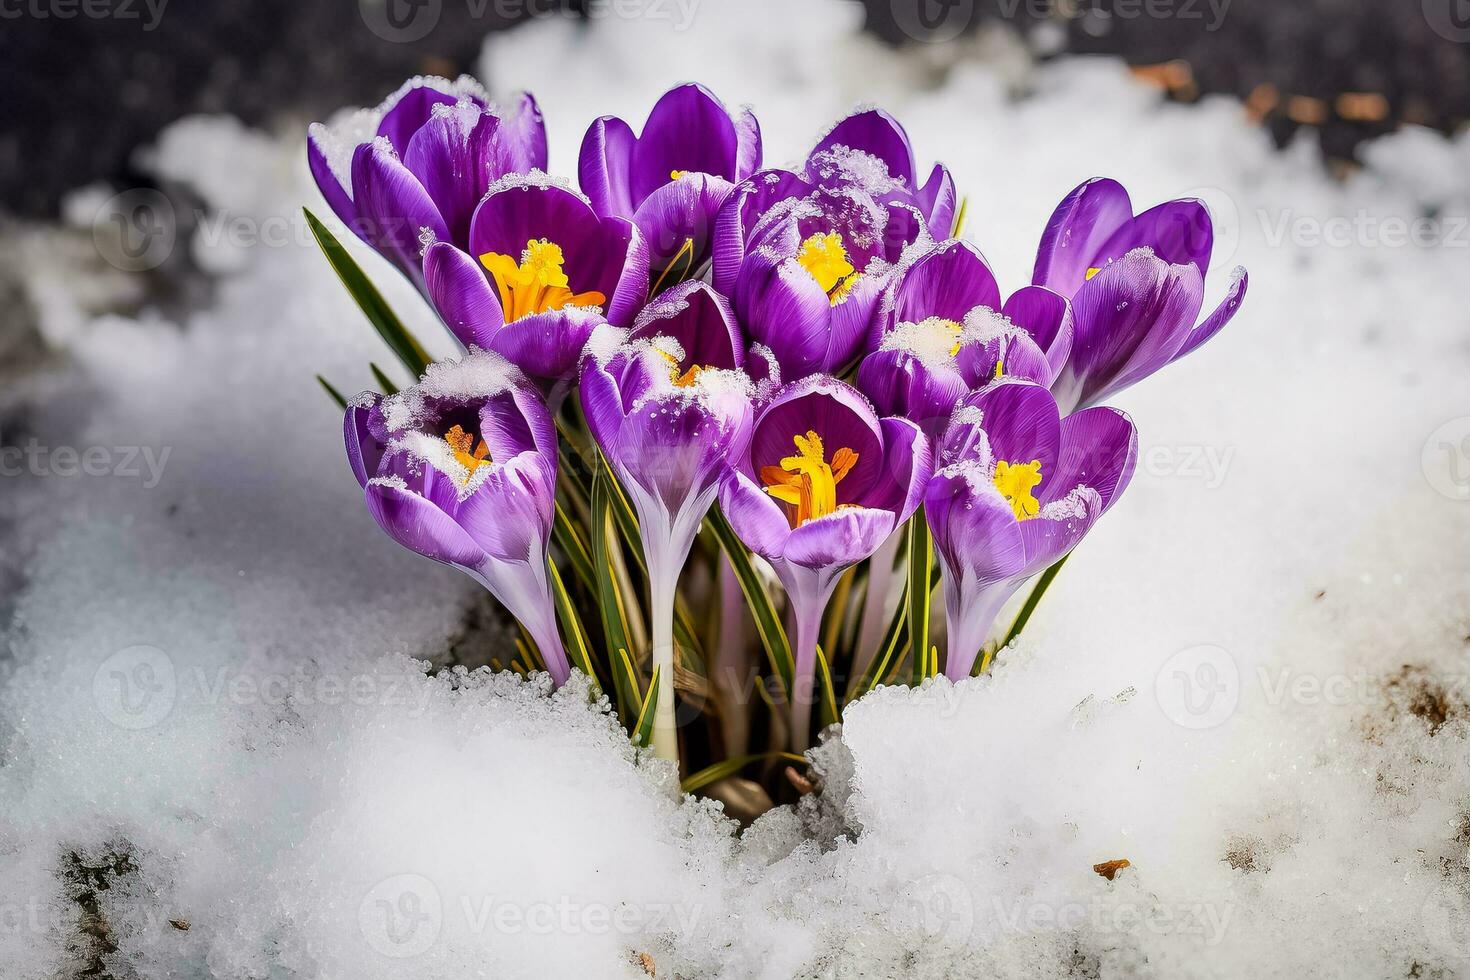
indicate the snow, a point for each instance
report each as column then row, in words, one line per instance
column 1249, row 681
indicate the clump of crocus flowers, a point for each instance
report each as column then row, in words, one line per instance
column 712, row 422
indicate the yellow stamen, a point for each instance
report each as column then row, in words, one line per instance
column 535, row 284
column 1000, row 368
column 460, row 442
column 676, row 174
column 1015, row 481
column 824, row 257
column 1092, row 272
column 807, row 481
column 686, row 379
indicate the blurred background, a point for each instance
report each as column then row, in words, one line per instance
column 1348, row 69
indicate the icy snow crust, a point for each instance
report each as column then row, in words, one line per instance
column 1248, row 682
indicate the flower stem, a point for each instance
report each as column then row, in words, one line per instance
column 808, row 623
column 661, row 603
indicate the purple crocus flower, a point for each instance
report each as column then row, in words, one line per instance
column 824, row 483
column 809, row 277
column 461, row 468
column 1136, row 285
column 1015, row 488
column 437, row 146
column 877, row 136
column 673, row 178
column 947, row 333
column 666, row 432
column 542, row 271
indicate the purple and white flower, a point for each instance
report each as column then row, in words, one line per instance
column 667, row 432
column 461, row 468
column 433, row 149
column 824, row 483
column 1015, row 487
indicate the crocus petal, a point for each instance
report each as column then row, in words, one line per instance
column 520, row 141
column 1130, row 320
column 1046, row 316
column 700, row 319
column 877, row 133
column 688, row 130
column 509, row 515
column 748, row 139
column 1078, row 228
column 907, row 465
column 739, row 215
column 547, row 345
column 754, row 514
column 900, row 383
column 674, row 442
column 393, row 208
column 1222, row 314
column 679, row 211
column 974, row 528
column 420, row 526
column 1099, row 450
column 326, row 180
column 1046, row 539
column 410, row 112
column 364, row 451
column 449, row 155
column 839, row 539
column 1006, row 355
column 604, row 168
column 947, row 282
column 785, row 309
column 1179, row 232
column 1021, row 422
column 466, row 302
column 938, row 199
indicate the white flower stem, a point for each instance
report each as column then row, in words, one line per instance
column 662, row 585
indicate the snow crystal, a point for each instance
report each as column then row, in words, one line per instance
column 930, row 341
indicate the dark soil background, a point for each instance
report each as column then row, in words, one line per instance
column 89, row 80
